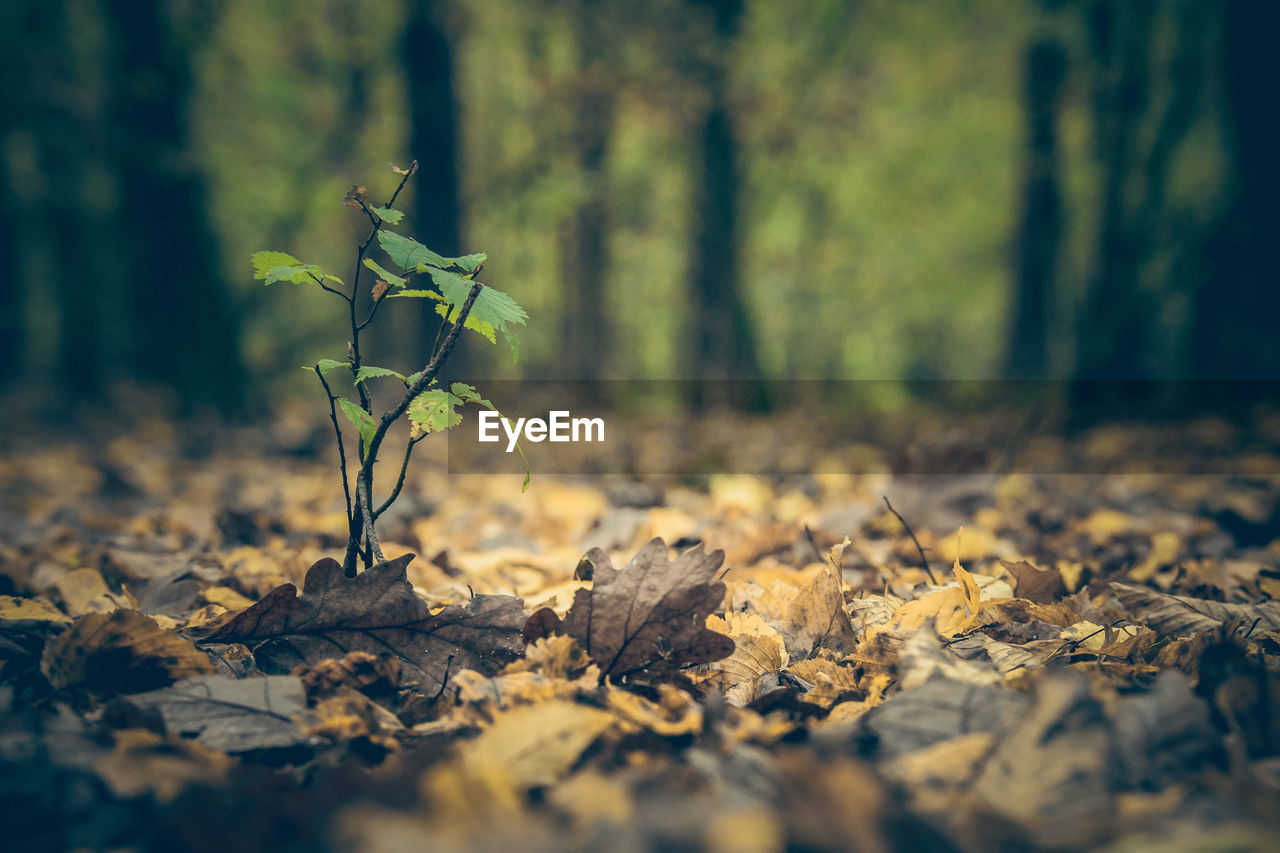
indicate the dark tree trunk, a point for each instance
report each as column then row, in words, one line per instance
column 1236, row 310
column 723, row 338
column 433, row 142
column 1112, row 334
column 1040, row 237
column 184, row 331
column 584, row 247
column 1146, row 102
column 67, row 243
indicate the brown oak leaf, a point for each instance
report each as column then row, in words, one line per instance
column 652, row 614
column 376, row 612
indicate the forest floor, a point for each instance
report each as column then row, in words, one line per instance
column 1080, row 661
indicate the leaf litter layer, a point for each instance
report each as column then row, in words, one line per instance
column 1086, row 662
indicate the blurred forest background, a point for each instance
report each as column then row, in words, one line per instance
column 816, row 189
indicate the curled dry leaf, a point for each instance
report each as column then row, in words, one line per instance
column 652, row 614
column 123, row 652
column 376, row 612
column 759, row 651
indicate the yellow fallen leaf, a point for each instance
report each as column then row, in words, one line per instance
column 225, row 596
column 533, row 745
column 1165, row 547
column 674, row 714
column 84, row 591
column 14, row 607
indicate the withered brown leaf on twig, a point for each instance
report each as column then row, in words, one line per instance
column 377, row 612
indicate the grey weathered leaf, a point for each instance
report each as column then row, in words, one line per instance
column 1180, row 616
column 231, row 715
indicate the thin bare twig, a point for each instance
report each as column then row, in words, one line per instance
column 342, row 453
column 404, row 466
column 923, row 559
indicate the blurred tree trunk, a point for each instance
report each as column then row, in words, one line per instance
column 433, row 142
column 1146, row 101
column 1040, row 236
column 1237, row 307
column 184, row 329
column 584, row 236
column 724, row 345
column 67, row 247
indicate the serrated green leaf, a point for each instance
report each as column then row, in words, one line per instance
column 371, row 372
column 416, row 294
column 387, row 214
column 327, row 364
column 470, row 263
column 363, row 421
column 389, row 278
column 408, row 253
column 447, row 311
column 280, row 266
column 492, row 310
column 434, row 411
column 412, row 378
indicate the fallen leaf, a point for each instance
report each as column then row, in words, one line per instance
column 651, row 615
column 123, row 651
column 758, row 651
column 231, row 715
column 84, row 591
column 816, row 618
column 1053, row 774
column 1180, row 616
column 143, row 762
column 1040, row 586
column 38, row 609
column 377, row 612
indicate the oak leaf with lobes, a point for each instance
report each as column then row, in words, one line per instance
column 652, row 614
column 376, row 612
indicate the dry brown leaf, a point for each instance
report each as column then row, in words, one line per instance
column 651, row 615
column 378, row 612
column 831, row 681
column 758, row 651
column 816, row 618
column 123, row 651
column 1035, row 584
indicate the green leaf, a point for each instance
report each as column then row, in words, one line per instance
column 327, row 364
column 389, row 278
column 363, row 421
column 416, row 294
column 470, row 263
column 492, row 310
column 280, row 266
column 387, row 214
column 408, row 253
column 434, row 411
column 374, row 372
